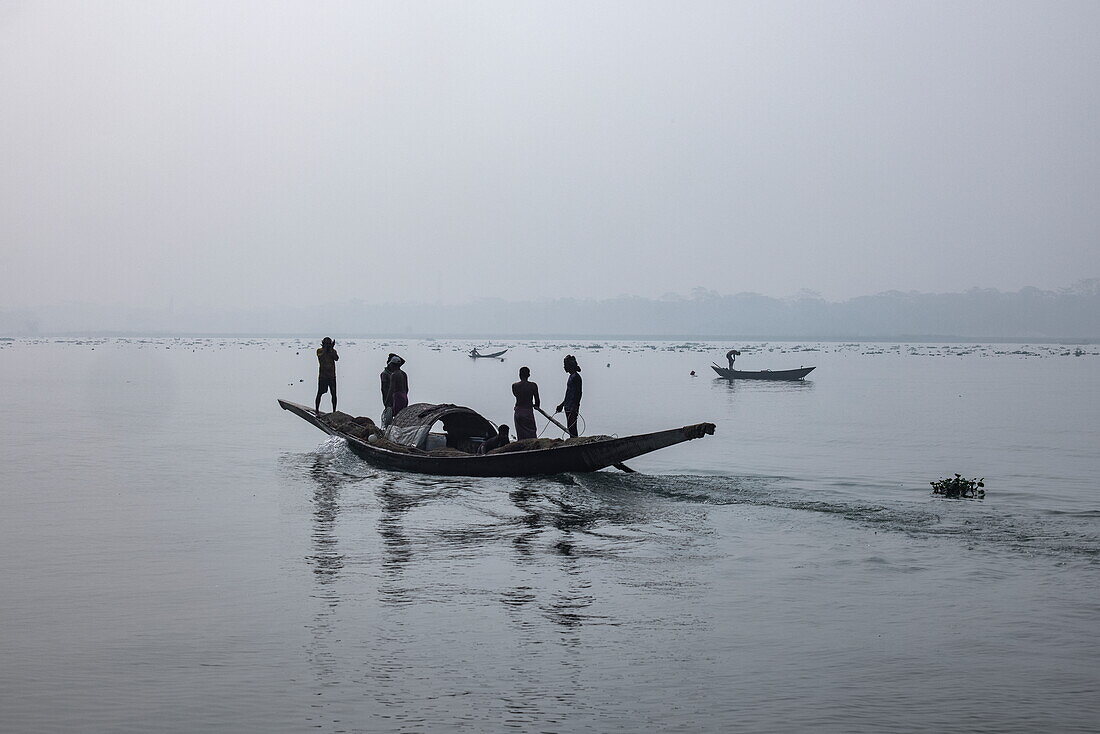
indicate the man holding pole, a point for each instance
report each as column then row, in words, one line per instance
column 572, row 401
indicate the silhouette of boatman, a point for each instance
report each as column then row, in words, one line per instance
column 572, row 401
column 395, row 389
column 326, row 373
column 527, row 399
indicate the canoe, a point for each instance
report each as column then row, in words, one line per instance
column 409, row 445
column 478, row 355
column 729, row 374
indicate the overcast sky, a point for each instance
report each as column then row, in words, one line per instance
column 254, row 154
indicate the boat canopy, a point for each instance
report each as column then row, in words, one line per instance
column 412, row 425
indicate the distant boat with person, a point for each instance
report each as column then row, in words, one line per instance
column 478, row 355
column 729, row 374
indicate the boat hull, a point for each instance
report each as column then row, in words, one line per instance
column 729, row 374
column 581, row 457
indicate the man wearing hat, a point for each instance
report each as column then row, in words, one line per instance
column 395, row 389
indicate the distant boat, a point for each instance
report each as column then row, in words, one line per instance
column 729, row 374
column 478, row 355
column 410, row 445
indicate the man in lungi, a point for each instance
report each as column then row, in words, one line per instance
column 527, row 399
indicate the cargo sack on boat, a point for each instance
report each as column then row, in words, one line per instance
column 577, row 440
column 378, row 440
column 447, row 452
column 360, row 431
column 339, row 421
column 362, row 427
column 527, row 444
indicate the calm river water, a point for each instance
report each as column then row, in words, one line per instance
column 177, row 554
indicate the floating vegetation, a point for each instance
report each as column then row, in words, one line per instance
column 960, row 488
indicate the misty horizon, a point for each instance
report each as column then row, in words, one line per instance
column 1070, row 313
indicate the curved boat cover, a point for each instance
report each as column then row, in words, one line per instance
column 412, row 425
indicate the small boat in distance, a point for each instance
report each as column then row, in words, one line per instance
column 408, row 444
column 478, row 355
column 729, row 374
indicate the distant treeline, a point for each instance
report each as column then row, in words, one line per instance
column 1029, row 314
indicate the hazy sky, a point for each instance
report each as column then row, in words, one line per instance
column 253, row 154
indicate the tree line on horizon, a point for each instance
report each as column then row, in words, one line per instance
column 1030, row 313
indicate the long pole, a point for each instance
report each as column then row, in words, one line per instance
column 620, row 466
column 552, row 419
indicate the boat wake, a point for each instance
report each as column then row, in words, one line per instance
column 590, row 501
column 977, row 524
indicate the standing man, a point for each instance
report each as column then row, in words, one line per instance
column 326, row 373
column 527, row 399
column 572, row 402
column 395, row 388
column 732, row 355
column 385, row 379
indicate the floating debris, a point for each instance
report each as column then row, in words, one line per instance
column 959, row 488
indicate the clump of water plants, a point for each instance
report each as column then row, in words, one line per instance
column 960, row 488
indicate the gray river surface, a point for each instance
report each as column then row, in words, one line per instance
column 177, row 554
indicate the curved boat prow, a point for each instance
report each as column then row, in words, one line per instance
column 616, row 451
column 306, row 414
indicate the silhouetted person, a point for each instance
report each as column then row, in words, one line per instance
column 732, row 355
column 527, row 399
column 326, row 372
column 395, row 390
column 501, row 439
column 572, row 402
column 385, row 378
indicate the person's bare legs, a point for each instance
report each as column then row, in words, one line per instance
column 325, row 386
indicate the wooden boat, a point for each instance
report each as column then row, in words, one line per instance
column 409, row 445
column 729, row 374
column 478, row 355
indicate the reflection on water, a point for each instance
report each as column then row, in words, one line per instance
column 530, row 519
column 327, row 561
column 446, row 547
column 762, row 386
column 326, row 558
column 394, row 505
column 539, row 512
